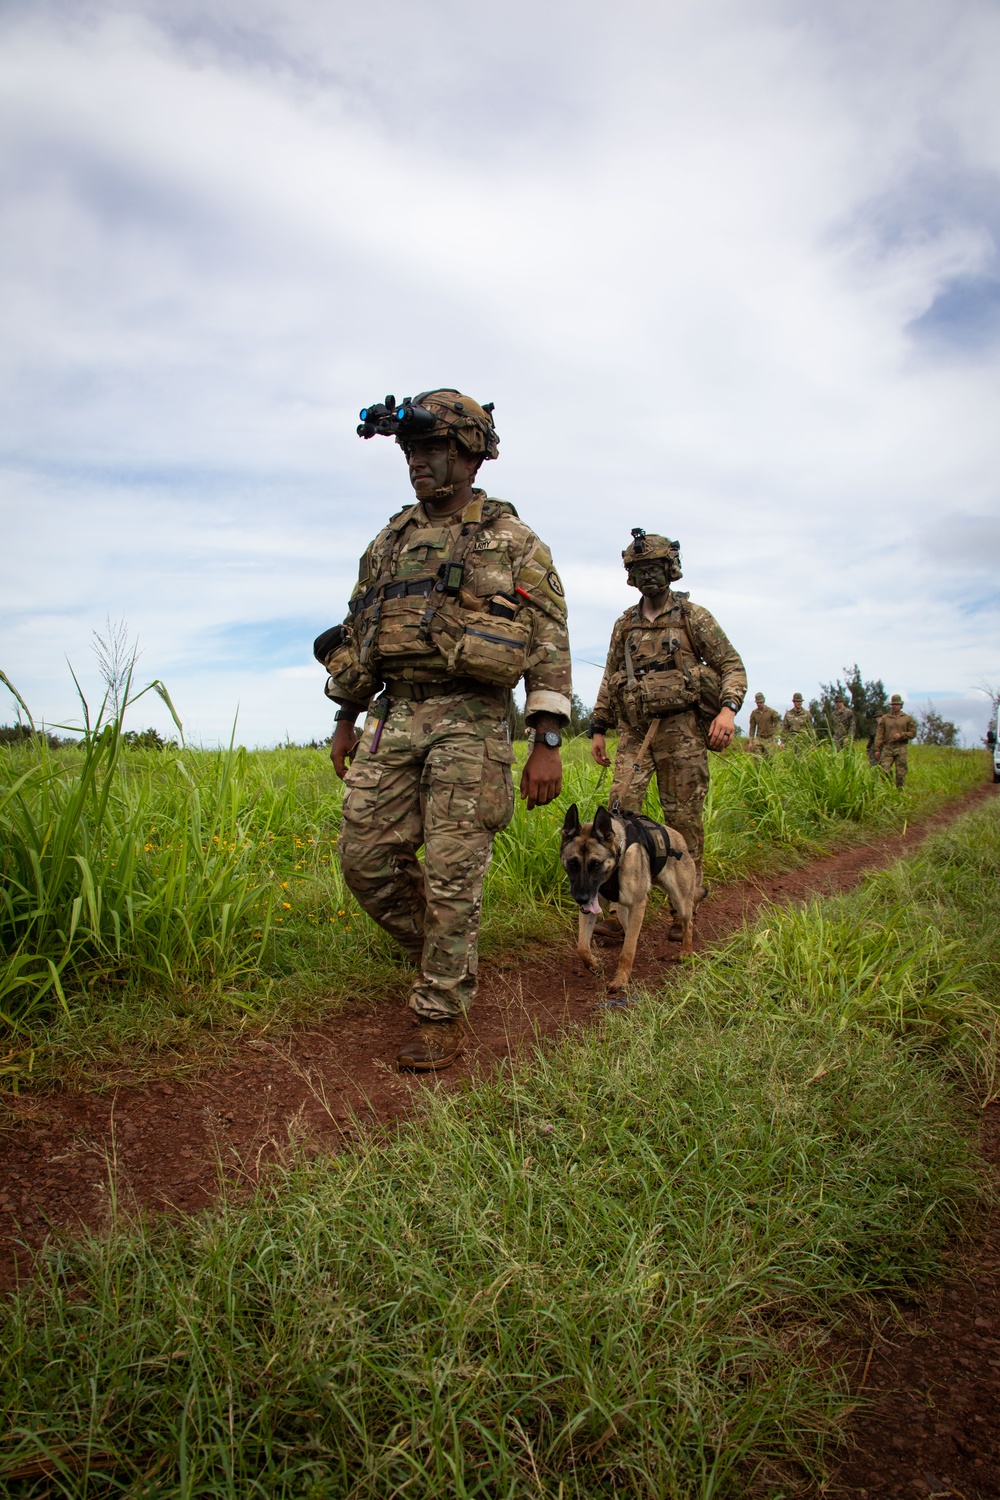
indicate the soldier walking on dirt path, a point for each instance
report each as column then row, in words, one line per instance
column 892, row 737
column 456, row 601
column 842, row 722
column 797, row 723
column 764, row 725
column 669, row 661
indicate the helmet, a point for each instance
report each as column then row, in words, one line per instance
column 454, row 416
column 896, row 699
column 796, row 697
column 759, row 697
column 440, row 413
column 649, row 547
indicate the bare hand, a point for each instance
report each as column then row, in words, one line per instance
column 599, row 750
column 541, row 779
column 344, row 745
column 722, row 729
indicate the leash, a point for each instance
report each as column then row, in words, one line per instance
column 636, row 765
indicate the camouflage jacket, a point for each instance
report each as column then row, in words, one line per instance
column 508, row 588
column 764, row 723
column 797, row 721
column 649, row 644
column 842, row 722
column 893, row 724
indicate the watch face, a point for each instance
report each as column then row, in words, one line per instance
column 552, row 739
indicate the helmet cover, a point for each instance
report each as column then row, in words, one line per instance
column 456, row 416
column 649, row 547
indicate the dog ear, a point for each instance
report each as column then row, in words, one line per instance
column 603, row 826
column 571, row 823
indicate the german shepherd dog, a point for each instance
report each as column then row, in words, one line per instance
column 621, row 857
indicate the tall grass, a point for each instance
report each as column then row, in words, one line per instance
column 147, row 895
column 609, row 1275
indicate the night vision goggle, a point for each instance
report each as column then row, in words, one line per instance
column 387, row 419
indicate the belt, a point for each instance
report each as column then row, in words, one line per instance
column 418, row 691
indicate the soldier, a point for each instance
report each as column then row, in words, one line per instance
column 797, row 723
column 668, row 659
column 456, row 601
column 842, row 722
column 892, row 736
column 764, row 725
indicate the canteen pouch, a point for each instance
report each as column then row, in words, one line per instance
column 490, row 649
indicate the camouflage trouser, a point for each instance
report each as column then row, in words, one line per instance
column 893, row 761
column 680, row 759
column 441, row 778
column 763, row 745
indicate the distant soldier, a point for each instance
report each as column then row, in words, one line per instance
column 668, row 658
column 797, row 723
column 842, row 722
column 892, row 737
column 764, row 725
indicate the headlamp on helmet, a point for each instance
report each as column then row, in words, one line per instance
column 648, row 547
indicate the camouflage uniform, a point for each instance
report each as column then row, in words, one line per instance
column 842, row 725
column 764, row 725
column 797, row 725
column 441, row 775
column 891, row 755
column 678, row 753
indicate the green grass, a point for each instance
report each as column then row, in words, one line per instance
column 156, row 902
column 609, row 1275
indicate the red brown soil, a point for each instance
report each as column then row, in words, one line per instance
column 163, row 1145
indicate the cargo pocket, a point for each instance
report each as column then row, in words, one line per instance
column 496, row 797
column 453, row 782
column 361, row 791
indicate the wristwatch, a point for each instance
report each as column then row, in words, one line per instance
column 728, row 703
column 552, row 738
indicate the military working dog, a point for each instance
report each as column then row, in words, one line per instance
column 621, row 857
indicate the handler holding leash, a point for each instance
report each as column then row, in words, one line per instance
column 456, row 601
column 673, row 684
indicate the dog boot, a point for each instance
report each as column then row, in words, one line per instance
column 436, row 1045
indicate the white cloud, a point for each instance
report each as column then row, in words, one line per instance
column 685, row 248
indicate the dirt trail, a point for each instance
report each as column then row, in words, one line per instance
column 164, row 1144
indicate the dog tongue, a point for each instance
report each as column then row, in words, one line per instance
column 594, row 909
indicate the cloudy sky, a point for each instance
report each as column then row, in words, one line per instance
column 728, row 268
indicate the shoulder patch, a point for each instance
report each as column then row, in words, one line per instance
column 555, row 583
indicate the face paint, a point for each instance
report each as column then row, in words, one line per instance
column 649, row 577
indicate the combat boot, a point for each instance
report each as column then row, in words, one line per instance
column 436, row 1045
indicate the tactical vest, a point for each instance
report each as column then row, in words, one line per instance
column 663, row 673
column 440, row 607
column 654, row 838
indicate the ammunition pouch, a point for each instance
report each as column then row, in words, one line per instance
column 656, row 694
column 490, row 648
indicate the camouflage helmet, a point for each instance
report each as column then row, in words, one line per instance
column 648, row 547
column 455, row 416
column 896, row 699
column 796, row 697
column 759, row 697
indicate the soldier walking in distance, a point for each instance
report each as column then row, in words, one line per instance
column 764, row 725
column 456, row 601
column 797, row 723
column 842, row 722
column 669, row 662
column 893, row 734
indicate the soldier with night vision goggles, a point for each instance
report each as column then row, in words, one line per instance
column 673, row 683
column 456, row 601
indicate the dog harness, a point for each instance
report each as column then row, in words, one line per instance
column 654, row 838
